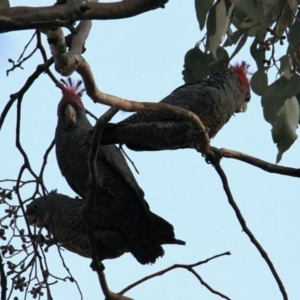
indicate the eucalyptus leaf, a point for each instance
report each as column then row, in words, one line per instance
column 255, row 10
column 195, row 65
column 286, row 17
column 284, row 63
column 259, row 81
column 219, row 64
column 240, row 45
column 285, row 125
column 202, row 8
column 217, row 24
column 274, row 95
column 234, row 37
column 256, row 50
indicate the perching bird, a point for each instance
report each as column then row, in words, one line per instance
column 214, row 100
column 62, row 216
column 120, row 198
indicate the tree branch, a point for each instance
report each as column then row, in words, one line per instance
column 13, row 97
column 242, row 221
column 187, row 267
column 22, row 17
column 91, row 200
column 266, row 166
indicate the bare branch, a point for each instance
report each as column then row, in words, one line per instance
column 266, row 166
column 90, row 202
column 67, row 63
column 187, row 267
column 39, row 70
column 20, row 18
column 242, row 221
column 132, row 106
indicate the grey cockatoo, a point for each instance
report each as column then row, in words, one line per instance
column 120, row 198
column 214, row 100
column 62, row 216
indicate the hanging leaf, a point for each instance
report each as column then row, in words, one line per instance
column 284, row 63
column 217, row 24
column 285, row 125
column 195, row 65
column 287, row 16
column 219, row 64
column 256, row 50
column 202, row 8
column 294, row 40
column 198, row 65
column 240, row 45
column 256, row 11
column 234, row 37
column 259, row 81
column 275, row 94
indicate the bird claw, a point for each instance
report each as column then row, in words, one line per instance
column 94, row 268
column 215, row 155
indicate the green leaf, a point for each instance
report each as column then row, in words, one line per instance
column 284, row 63
column 256, row 11
column 294, row 34
column 202, row 8
column 274, row 95
column 285, row 125
column 256, row 49
column 195, row 65
column 234, row 37
column 4, row 4
column 199, row 65
column 239, row 45
column 287, row 17
column 219, row 64
column 217, row 24
column 259, row 81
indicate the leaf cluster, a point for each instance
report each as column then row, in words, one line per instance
column 267, row 26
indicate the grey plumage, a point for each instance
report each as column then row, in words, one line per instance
column 214, row 100
column 120, row 199
column 62, row 216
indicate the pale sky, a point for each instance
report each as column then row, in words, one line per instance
column 141, row 59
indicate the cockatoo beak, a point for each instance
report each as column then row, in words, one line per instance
column 242, row 108
column 70, row 115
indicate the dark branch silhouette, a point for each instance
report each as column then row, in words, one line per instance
column 266, row 166
column 94, row 179
column 22, row 18
column 242, row 221
column 187, row 267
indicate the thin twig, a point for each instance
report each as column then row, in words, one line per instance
column 130, row 160
column 187, row 267
column 26, row 46
column 264, row 165
column 13, row 97
column 45, row 158
column 90, row 202
column 206, row 285
column 247, row 230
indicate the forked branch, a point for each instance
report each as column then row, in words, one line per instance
column 251, row 236
column 187, row 267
